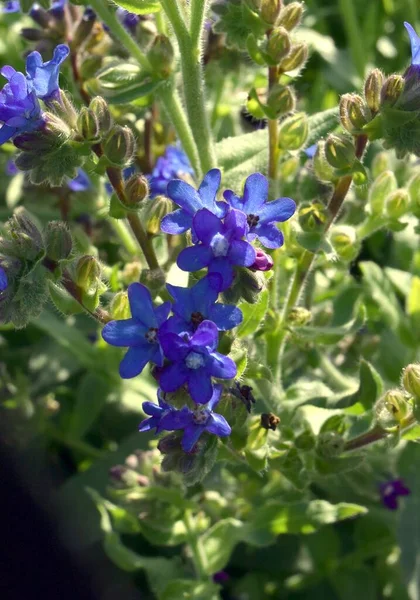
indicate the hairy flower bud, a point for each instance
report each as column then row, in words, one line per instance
column 136, row 190
column 281, row 99
column 161, row 55
column 58, row 242
column 40, row 16
column 31, row 34
column 373, row 87
column 411, row 379
column 344, row 241
column 291, row 15
column 278, row 45
column 87, row 125
column 270, row 10
column 296, row 58
column 313, row 216
column 24, row 235
column 100, row 110
column 322, row 168
column 88, row 272
column 354, row 112
column 329, row 444
column 380, row 163
column 381, row 188
column 263, row 261
column 120, row 307
column 156, row 210
column 299, row 316
column 397, row 404
column 293, row 132
column 339, row 151
column 120, row 146
column 397, row 203
column 414, row 193
column 392, row 90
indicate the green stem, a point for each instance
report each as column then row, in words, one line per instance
column 198, row 554
column 376, row 434
column 355, row 40
column 192, row 75
column 337, row 380
column 124, row 235
column 370, row 226
column 108, row 16
column 273, row 131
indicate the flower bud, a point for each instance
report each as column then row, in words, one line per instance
column 329, row 444
column 322, row 168
column 170, row 443
column 354, row 113
column 281, row 99
column 99, row 107
column 24, row 235
column 344, row 242
column 136, row 190
column 120, row 307
column 87, row 125
column 270, row 10
column 83, row 29
column 120, row 146
column 382, row 187
column 397, row 404
column 299, row 316
column 339, row 151
column 88, row 272
column 31, row 34
column 263, row 262
column 291, row 15
column 391, row 90
column 397, row 203
column 411, row 380
column 296, row 58
column 161, row 55
column 278, row 45
column 380, row 164
column 414, row 192
column 156, row 209
column 373, row 87
column 40, row 16
column 269, row 421
column 58, row 242
column 293, row 132
column 313, row 216
column 121, row 474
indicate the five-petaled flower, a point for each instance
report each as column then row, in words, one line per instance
column 390, row 491
column 191, row 201
column 156, row 412
column 19, row 107
column 262, row 215
column 221, row 246
column 140, row 333
column 43, row 76
column 197, row 421
column 194, row 361
column 194, row 305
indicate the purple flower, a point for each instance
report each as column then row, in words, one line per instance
column 128, row 19
column 43, row 76
column 221, row 577
column 172, row 164
column 194, row 361
column 390, row 491
column 140, row 333
column 262, row 215
column 19, row 107
column 3, row 280
column 156, row 413
column 197, row 421
column 194, row 305
column 11, row 7
column 191, row 201
column 80, row 183
column 221, row 247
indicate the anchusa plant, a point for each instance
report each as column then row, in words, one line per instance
column 233, row 247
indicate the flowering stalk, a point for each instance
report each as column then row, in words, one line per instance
column 376, row 434
column 273, row 131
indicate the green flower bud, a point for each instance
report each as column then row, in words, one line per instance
column 281, row 99
column 270, row 10
column 278, row 45
column 397, row 404
column 100, row 109
column 25, row 238
column 387, row 409
column 58, row 242
column 293, row 132
column 87, row 125
column 120, row 307
column 247, row 285
column 296, row 58
column 313, row 216
column 322, row 168
column 299, row 316
column 382, row 187
column 397, row 203
column 339, row 151
column 305, row 441
column 392, row 90
column 329, row 444
column 120, row 146
column 136, row 190
column 380, row 164
column 414, row 192
column 344, row 242
column 156, row 209
column 88, row 272
column 373, row 87
column 354, row 113
column 411, row 379
column 161, row 56
column 291, row 15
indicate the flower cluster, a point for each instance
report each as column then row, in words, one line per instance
column 390, row 491
column 12, row 6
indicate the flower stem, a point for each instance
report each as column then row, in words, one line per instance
column 124, row 235
column 375, row 434
column 273, row 131
column 198, row 554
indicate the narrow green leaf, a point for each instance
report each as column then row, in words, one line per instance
column 139, row 7
column 91, row 398
column 253, row 315
column 218, row 543
column 370, row 389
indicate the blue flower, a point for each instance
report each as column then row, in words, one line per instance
column 128, row 19
column 221, row 247
column 390, row 491
column 3, row 280
column 197, row 421
column 262, row 215
column 194, row 305
column 172, row 164
column 194, row 361
column 311, row 151
column 191, row 201
column 415, row 44
column 43, row 76
column 140, row 333
column 11, row 7
column 80, row 183
column 19, row 107
column 156, row 413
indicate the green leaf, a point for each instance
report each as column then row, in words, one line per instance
column 253, row 315
column 140, row 7
column 413, row 299
column 218, row 543
column 65, row 303
column 91, row 397
column 370, row 389
column 332, row 335
column 189, row 589
column 255, row 370
column 379, row 288
column 315, row 242
column 321, row 124
column 15, row 190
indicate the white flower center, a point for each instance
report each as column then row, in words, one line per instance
column 388, row 490
column 201, row 416
column 219, row 245
column 194, row 360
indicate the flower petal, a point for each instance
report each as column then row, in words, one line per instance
column 141, row 304
column 150, row 408
column 194, row 258
column 176, row 419
column 174, row 347
column 222, row 267
column 162, row 312
column 234, row 200
column 200, row 386
column 214, row 400
column 123, row 333
column 184, row 300
column 205, row 293
column 255, row 193
column 148, row 424
column 135, row 360
column 222, row 366
column 206, row 225
column 176, row 222
column 269, row 235
column 236, row 224
column 241, row 253
column 206, row 335
column 415, row 44
column 225, row 316
column 218, row 425
column 191, row 436
column 209, row 188
column 279, row 210
column 173, row 376
column 183, row 194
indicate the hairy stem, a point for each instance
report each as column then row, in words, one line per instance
column 273, row 131
column 375, row 434
column 198, row 554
